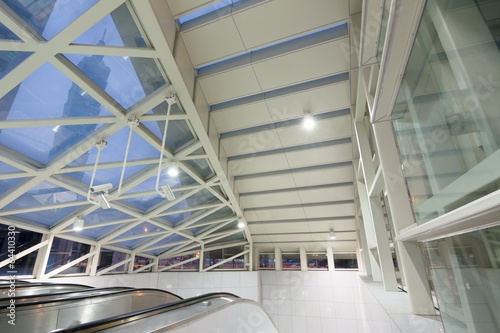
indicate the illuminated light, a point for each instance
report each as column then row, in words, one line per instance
column 145, row 229
column 309, row 122
column 241, row 223
column 78, row 225
column 56, row 128
column 173, row 169
column 332, row 235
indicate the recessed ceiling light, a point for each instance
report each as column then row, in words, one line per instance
column 309, row 121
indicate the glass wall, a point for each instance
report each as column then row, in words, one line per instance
column 109, row 258
column 267, row 261
column 217, row 256
column 345, row 261
column 465, row 270
column 448, row 129
column 290, row 260
column 64, row 251
column 317, row 261
column 185, row 262
column 21, row 241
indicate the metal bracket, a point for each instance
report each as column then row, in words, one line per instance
column 172, row 99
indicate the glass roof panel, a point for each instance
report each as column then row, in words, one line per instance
column 47, row 217
column 102, row 176
column 4, row 167
column 142, row 229
column 6, row 184
column 126, row 79
column 116, row 29
column 94, row 233
column 45, row 193
column 6, row 34
column 168, row 240
column 178, row 132
column 145, row 202
column 44, row 143
column 150, row 184
column 104, row 215
column 10, row 59
column 202, row 167
column 51, row 16
column 163, row 107
column 130, row 243
column 47, row 93
column 177, row 217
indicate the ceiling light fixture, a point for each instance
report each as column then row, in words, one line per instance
column 78, row 224
column 332, row 235
column 308, row 121
column 166, row 191
column 241, row 223
column 173, row 169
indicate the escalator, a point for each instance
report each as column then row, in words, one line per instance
column 57, row 312
column 128, row 310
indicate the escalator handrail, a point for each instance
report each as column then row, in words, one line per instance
column 62, row 301
column 42, row 284
column 17, row 299
column 101, row 324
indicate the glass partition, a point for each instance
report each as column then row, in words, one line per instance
column 317, row 261
column 14, row 241
column 466, row 277
column 290, row 260
column 267, row 261
column 446, row 117
column 345, row 261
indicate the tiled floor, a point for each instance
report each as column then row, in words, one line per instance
column 343, row 302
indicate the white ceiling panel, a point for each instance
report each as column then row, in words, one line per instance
column 262, row 238
column 325, row 194
column 323, row 176
column 326, row 129
column 269, row 214
column 183, row 7
column 257, row 228
column 259, row 164
column 270, row 199
column 320, row 155
column 242, row 116
column 289, row 69
column 286, row 227
column 338, row 236
column 331, row 224
column 319, row 100
column 228, row 85
column 280, row 19
column 331, row 210
column 265, row 183
column 212, row 41
column 290, row 238
column 251, row 143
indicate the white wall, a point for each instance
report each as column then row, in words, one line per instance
column 185, row 284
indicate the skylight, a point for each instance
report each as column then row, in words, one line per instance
column 206, row 10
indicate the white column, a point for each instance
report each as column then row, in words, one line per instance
column 303, row 259
column 95, row 260
column 256, row 259
column 278, row 263
column 410, row 255
column 329, row 258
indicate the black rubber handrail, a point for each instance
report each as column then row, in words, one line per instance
column 62, row 300
column 101, row 324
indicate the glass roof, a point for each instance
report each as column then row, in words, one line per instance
column 61, row 104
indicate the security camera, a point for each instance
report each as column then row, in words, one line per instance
column 101, row 188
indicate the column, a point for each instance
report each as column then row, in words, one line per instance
column 329, row 258
column 278, row 263
column 303, row 259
